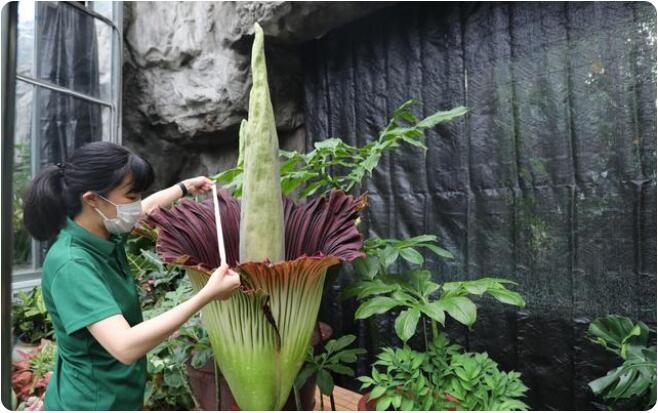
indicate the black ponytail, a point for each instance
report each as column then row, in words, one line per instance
column 56, row 192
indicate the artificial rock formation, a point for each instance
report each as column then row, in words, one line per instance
column 186, row 76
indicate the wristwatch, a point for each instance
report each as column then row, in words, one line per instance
column 183, row 188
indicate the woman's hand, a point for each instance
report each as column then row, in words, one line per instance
column 222, row 284
column 198, row 185
column 166, row 197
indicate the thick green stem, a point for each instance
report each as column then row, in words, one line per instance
column 435, row 329
column 425, row 333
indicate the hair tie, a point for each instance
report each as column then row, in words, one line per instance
column 60, row 166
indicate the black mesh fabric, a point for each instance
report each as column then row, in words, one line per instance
column 548, row 181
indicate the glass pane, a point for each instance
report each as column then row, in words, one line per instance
column 104, row 8
column 104, row 36
column 75, row 49
column 66, row 123
column 25, row 42
column 22, row 173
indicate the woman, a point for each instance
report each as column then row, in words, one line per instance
column 89, row 205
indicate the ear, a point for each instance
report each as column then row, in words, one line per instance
column 90, row 199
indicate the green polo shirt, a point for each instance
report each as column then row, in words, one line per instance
column 86, row 279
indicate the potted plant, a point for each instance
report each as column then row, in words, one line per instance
column 31, row 375
column 441, row 376
column 281, row 250
column 319, row 368
column 30, row 322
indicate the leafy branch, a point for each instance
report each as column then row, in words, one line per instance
column 381, row 290
column 332, row 360
column 315, row 170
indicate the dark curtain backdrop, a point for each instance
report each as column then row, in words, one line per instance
column 67, row 57
column 550, row 180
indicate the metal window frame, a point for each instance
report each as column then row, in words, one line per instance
column 8, row 70
column 28, row 278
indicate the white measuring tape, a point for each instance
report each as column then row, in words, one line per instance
column 218, row 225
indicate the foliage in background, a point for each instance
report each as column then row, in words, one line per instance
column 30, row 319
column 167, row 384
column 315, row 170
column 381, row 290
column 442, row 378
column 153, row 276
column 634, row 382
column 161, row 288
column 21, row 178
column 31, row 375
column 333, row 360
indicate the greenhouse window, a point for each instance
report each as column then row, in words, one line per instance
column 68, row 93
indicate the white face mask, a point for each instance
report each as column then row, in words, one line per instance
column 126, row 219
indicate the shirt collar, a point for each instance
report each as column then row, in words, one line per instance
column 80, row 234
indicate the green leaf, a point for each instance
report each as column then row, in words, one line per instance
column 461, row 309
column 404, row 298
column 388, row 256
column 365, row 380
column 325, row 382
column 434, row 311
column 376, row 287
column 412, row 256
column 290, row 182
column 439, row 251
column 311, row 189
column 331, row 143
column 383, row 403
column 366, row 267
column 289, row 165
column 340, row 343
column 440, row 117
column 344, row 370
column 507, row 297
column 307, row 371
column 406, row 322
column 371, row 161
column 617, row 333
column 173, row 380
column 407, row 405
column 377, row 392
column 377, row 305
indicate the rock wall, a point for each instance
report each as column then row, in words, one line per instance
column 186, row 76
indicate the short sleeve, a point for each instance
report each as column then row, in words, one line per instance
column 81, row 297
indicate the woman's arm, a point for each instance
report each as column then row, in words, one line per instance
column 128, row 344
column 166, row 197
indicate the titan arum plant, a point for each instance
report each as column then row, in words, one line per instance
column 282, row 250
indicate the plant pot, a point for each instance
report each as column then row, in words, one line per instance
column 21, row 349
column 371, row 405
column 365, row 405
column 202, row 382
